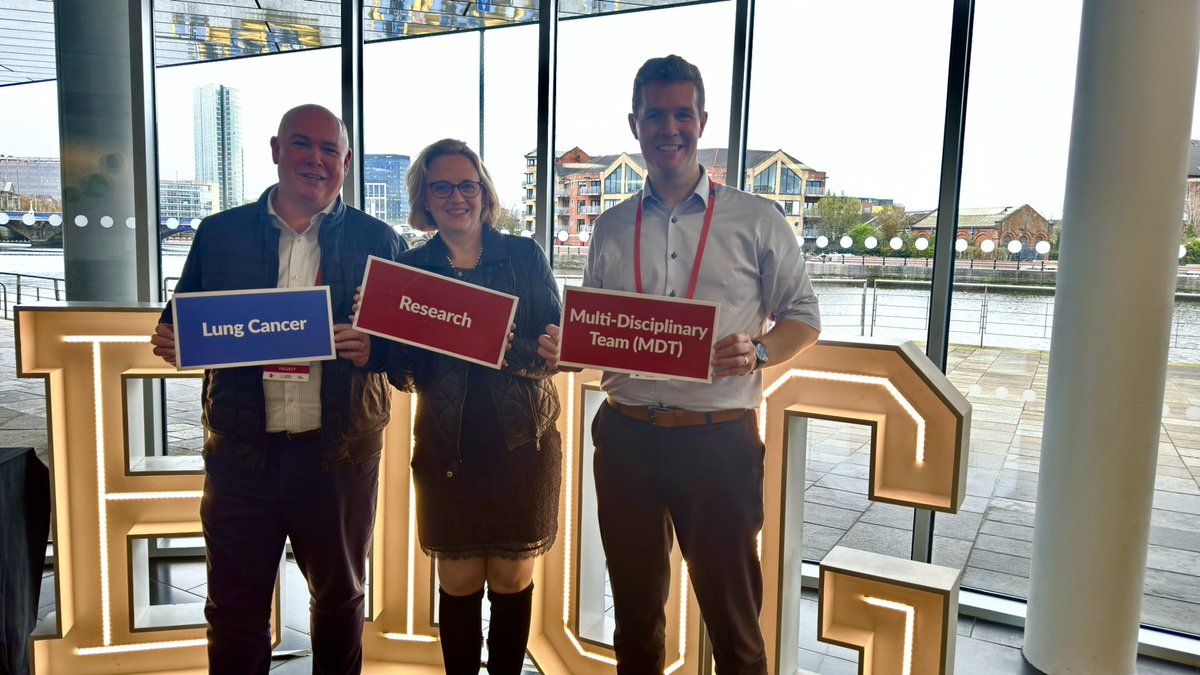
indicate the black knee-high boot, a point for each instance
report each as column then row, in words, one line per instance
column 460, row 625
column 508, row 632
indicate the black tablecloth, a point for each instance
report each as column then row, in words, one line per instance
column 24, row 527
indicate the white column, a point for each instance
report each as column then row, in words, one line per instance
column 1134, row 92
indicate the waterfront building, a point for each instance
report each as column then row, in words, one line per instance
column 588, row 185
column 186, row 199
column 385, row 188
column 217, row 113
column 999, row 224
column 32, row 176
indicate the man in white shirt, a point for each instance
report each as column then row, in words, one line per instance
column 683, row 454
column 297, row 456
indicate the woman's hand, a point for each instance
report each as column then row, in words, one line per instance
column 351, row 345
column 548, row 346
column 512, row 334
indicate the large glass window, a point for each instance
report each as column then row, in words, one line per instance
column 764, row 181
column 790, row 182
column 31, row 254
column 612, row 182
column 215, row 123
column 863, row 291
column 633, row 179
column 1000, row 321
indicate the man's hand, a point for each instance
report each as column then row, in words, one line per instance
column 164, row 342
column 351, row 345
column 548, row 346
column 733, row 355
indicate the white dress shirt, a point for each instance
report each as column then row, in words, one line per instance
column 296, row 406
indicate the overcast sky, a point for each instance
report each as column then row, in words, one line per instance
column 854, row 88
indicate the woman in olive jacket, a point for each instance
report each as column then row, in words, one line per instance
column 487, row 456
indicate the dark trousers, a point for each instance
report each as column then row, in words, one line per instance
column 707, row 481
column 247, row 514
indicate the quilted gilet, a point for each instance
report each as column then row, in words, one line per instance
column 239, row 249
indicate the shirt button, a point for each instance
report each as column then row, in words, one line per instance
column 449, row 474
column 674, row 219
column 672, row 294
column 674, row 255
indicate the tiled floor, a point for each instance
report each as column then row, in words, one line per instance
column 983, row 647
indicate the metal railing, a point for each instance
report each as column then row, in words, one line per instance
column 984, row 315
column 28, row 288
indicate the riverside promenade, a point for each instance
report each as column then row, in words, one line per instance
column 990, row 538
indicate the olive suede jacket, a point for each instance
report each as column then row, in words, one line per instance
column 239, row 249
column 522, row 392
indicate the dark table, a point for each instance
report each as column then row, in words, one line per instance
column 24, row 529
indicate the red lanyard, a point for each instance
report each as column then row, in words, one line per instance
column 637, row 243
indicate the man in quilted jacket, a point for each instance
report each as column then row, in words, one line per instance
column 292, row 456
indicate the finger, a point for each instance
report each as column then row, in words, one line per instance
column 728, row 340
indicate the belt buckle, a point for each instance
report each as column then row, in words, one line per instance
column 652, row 410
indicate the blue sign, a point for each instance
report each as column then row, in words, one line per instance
column 248, row 328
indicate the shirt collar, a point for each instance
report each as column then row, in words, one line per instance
column 700, row 191
column 314, row 223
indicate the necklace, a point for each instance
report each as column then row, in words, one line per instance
column 459, row 272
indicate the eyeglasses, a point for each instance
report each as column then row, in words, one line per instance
column 443, row 189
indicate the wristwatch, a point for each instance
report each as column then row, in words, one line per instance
column 760, row 354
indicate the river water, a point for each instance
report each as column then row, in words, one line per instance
column 983, row 315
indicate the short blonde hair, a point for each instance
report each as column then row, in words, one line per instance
column 418, row 214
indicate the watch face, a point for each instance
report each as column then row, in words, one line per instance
column 760, row 352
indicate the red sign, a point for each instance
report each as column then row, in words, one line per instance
column 435, row 312
column 639, row 334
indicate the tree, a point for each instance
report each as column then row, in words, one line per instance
column 1192, row 256
column 509, row 219
column 859, row 234
column 1191, row 211
column 890, row 221
column 838, row 213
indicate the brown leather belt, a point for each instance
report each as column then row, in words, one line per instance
column 675, row 417
column 293, row 435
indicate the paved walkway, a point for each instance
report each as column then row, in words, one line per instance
column 991, row 538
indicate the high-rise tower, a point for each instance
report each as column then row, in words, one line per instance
column 218, row 130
